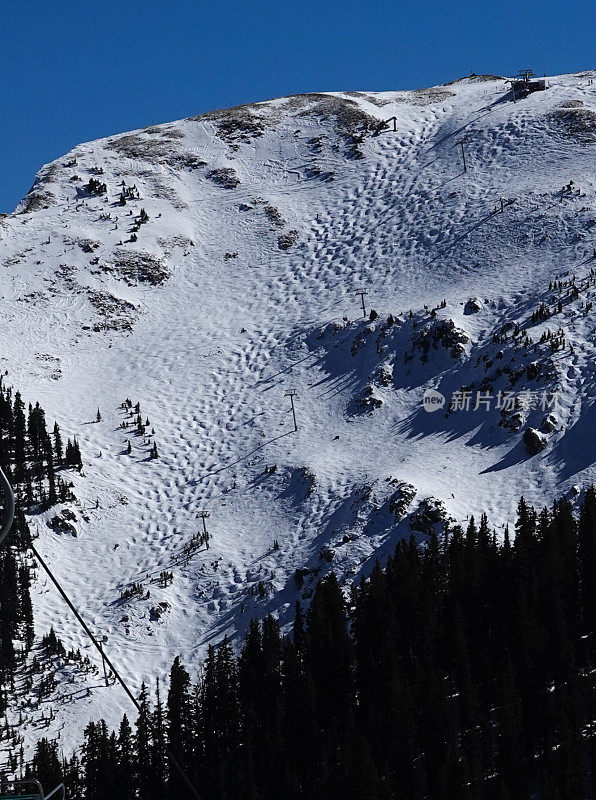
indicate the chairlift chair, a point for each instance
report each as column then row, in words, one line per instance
column 28, row 790
column 8, row 510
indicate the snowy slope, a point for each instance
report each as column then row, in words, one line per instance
column 263, row 221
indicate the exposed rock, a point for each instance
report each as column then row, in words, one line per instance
column 286, row 240
column 308, row 480
column 237, row 125
column 549, row 423
column 134, row 266
column 441, row 332
column 142, row 146
column 60, row 524
column 327, row 554
column 534, row 441
column 473, row 306
column 299, row 576
column 359, row 341
column 383, row 376
column 274, row 215
column 425, row 97
column 400, row 500
column 370, row 400
column 225, row 177
column 512, row 419
column 116, row 314
column 575, row 123
column 533, row 370
column 156, row 612
column 35, row 200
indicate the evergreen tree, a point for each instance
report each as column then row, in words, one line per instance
column 58, row 448
column 179, row 726
column 143, row 746
column 125, row 762
column 329, row 652
column 511, row 760
column 159, row 748
column 46, row 766
column 587, row 560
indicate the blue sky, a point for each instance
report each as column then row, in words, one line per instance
column 75, row 71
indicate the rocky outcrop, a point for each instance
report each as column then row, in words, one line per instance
column 534, row 441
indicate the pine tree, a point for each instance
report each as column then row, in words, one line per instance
column 329, row 652
column 73, row 454
column 125, row 755
column 587, row 559
column 73, row 777
column 179, row 727
column 143, row 745
column 511, row 759
column 46, row 766
column 58, row 449
column 158, row 748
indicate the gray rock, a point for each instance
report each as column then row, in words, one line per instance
column 370, row 399
column 399, row 502
column 473, row 306
column 534, row 441
column 299, row 576
column 327, row 554
column 550, row 423
column 61, row 525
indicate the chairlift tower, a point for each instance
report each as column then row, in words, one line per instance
column 525, row 75
column 104, row 640
column 291, row 393
column 461, row 144
column 520, row 83
column 204, row 515
column 362, row 293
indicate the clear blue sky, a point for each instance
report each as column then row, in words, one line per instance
column 75, row 71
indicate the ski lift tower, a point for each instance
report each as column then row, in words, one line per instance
column 525, row 75
column 526, row 82
column 204, row 515
column 291, row 393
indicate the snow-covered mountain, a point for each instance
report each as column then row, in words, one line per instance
column 238, row 283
